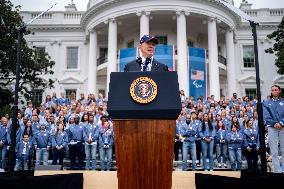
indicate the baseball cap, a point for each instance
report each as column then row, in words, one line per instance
column 146, row 38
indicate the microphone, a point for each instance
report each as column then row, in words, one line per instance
column 139, row 60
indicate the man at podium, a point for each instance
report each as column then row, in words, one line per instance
column 146, row 62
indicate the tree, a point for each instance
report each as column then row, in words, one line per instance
column 278, row 47
column 34, row 63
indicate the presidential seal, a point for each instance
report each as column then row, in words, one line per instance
column 143, row 90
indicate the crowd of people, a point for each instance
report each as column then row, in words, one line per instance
column 60, row 128
column 221, row 131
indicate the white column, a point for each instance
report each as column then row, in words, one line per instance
column 92, row 67
column 182, row 66
column 214, row 81
column 112, row 50
column 144, row 22
column 231, row 75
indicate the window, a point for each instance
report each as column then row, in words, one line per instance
column 71, row 94
column 130, row 44
column 248, row 56
column 251, row 93
column 103, row 52
column 103, row 56
column 162, row 40
column 72, row 57
column 36, row 96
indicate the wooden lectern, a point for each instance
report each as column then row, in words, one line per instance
column 144, row 132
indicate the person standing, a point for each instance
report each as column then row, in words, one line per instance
column 221, row 144
column 3, row 143
column 189, row 132
column 178, row 142
column 146, row 61
column 235, row 141
column 251, row 145
column 24, row 151
column 273, row 113
column 207, row 133
column 59, row 143
column 106, row 142
column 91, row 133
column 76, row 147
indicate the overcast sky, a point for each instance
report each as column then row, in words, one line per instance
column 39, row 5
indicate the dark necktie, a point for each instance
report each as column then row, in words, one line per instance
column 148, row 61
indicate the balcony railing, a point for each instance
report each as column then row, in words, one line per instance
column 101, row 60
column 222, row 59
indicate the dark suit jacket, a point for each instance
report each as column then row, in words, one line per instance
column 134, row 66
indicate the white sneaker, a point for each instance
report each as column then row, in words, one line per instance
column 219, row 165
column 225, row 165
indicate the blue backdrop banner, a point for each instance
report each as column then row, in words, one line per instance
column 163, row 54
column 197, row 72
column 125, row 56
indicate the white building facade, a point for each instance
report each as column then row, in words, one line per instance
column 85, row 45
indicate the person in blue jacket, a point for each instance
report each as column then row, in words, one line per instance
column 106, row 141
column 189, row 131
column 273, row 114
column 91, row 134
column 207, row 133
column 178, row 143
column 221, row 144
column 3, row 145
column 235, row 141
column 42, row 142
column 76, row 148
column 59, row 143
column 24, row 151
column 251, row 145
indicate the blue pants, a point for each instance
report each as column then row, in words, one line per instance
column 91, row 152
column 41, row 155
column 207, row 150
column 23, row 161
column 191, row 148
column 105, row 153
column 235, row 155
column 221, row 151
column 275, row 135
column 3, row 151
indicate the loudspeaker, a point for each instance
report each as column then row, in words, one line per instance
column 48, row 167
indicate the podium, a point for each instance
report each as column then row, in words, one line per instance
column 144, row 107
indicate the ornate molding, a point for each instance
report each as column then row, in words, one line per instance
column 112, row 19
column 211, row 18
column 143, row 12
column 181, row 11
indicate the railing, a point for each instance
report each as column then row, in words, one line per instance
column 251, row 13
column 72, row 15
column 44, row 16
column 277, row 12
column 222, row 60
column 101, row 60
